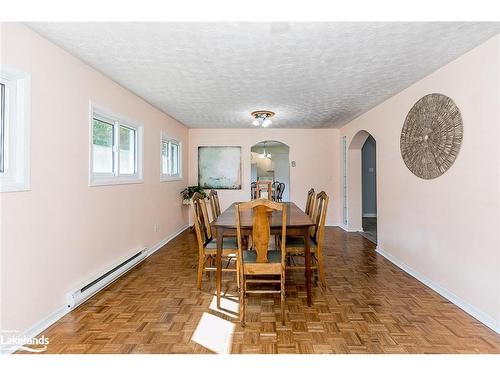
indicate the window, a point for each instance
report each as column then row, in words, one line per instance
column 116, row 144
column 171, row 166
column 2, row 126
column 14, row 130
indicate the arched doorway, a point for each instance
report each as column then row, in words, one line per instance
column 270, row 161
column 362, row 185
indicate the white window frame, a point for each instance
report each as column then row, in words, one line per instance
column 117, row 120
column 16, row 174
column 168, row 176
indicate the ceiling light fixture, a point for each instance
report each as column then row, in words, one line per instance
column 265, row 154
column 262, row 118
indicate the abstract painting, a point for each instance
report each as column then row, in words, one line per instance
column 219, row 167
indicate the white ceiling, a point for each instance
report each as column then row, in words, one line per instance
column 312, row 75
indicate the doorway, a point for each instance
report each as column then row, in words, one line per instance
column 369, row 188
column 270, row 161
column 362, row 185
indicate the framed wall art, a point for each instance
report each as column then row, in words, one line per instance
column 219, row 167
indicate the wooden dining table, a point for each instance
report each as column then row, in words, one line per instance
column 298, row 223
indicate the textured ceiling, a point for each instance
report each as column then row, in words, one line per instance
column 312, row 75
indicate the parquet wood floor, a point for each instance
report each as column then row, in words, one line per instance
column 367, row 306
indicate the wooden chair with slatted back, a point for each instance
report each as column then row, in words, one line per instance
column 310, row 203
column 258, row 265
column 263, row 186
column 295, row 245
column 310, row 208
column 207, row 245
column 213, row 198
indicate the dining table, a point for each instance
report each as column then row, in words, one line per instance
column 298, row 224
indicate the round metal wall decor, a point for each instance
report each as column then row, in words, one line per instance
column 431, row 136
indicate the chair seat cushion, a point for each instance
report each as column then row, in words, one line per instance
column 250, row 256
column 298, row 242
column 227, row 243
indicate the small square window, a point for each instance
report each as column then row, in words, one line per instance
column 171, row 153
column 116, row 149
column 2, row 126
column 14, row 130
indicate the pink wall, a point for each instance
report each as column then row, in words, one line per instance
column 446, row 229
column 62, row 231
column 315, row 152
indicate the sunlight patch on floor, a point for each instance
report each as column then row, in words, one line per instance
column 228, row 306
column 214, row 333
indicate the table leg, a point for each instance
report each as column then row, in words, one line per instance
column 218, row 265
column 307, row 250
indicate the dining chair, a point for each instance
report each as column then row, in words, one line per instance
column 213, row 198
column 275, row 186
column 259, row 265
column 263, row 186
column 281, row 189
column 295, row 245
column 253, row 190
column 207, row 245
column 310, row 203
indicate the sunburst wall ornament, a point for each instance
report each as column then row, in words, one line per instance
column 431, row 137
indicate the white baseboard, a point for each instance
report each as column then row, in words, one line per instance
column 343, row 227
column 369, row 215
column 334, row 224
column 45, row 323
column 350, row 230
column 40, row 326
column 453, row 298
column 153, row 249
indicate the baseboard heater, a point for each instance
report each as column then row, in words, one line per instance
column 80, row 295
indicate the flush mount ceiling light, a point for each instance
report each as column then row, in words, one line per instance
column 262, row 118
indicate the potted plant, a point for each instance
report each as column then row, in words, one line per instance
column 188, row 193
